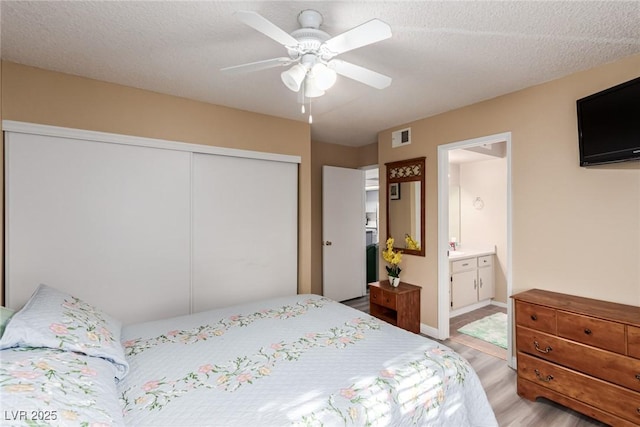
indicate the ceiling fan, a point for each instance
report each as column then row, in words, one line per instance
column 312, row 53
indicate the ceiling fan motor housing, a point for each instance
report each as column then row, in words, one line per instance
column 310, row 18
column 309, row 41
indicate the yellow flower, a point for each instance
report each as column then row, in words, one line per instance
column 411, row 243
column 392, row 257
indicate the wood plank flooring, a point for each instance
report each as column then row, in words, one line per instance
column 499, row 382
column 457, row 322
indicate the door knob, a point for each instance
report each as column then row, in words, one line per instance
column 327, row 243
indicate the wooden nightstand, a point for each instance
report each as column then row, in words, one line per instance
column 399, row 306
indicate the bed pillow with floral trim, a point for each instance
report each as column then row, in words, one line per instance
column 46, row 387
column 55, row 319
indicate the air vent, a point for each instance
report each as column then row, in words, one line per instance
column 401, row 137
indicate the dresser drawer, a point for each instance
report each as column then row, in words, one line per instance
column 385, row 299
column 603, row 364
column 536, row 317
column 618, row 400
column 463, row 265
column 592, row 331
column 633, row 341
column 485, row 261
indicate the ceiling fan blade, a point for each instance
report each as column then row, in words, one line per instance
column 370, row 32
column 266, row 27
column 361, row 74
column 259, row 65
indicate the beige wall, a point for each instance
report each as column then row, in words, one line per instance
column 324, row 154
column 39, row 96
column 575, row 230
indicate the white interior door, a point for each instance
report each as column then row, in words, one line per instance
column 343, row 233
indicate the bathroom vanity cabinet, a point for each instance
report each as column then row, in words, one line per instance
column 471, row 279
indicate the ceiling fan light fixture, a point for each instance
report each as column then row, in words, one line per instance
column 294, row 76
column 324, row 76
column 311, row 90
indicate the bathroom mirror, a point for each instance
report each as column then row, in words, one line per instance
column 405, row 204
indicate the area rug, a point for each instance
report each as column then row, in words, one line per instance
column 492, row 329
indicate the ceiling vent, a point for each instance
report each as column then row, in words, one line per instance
column 401, row 137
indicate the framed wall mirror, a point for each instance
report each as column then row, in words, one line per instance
column 405, row 205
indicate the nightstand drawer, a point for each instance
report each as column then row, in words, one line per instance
column 385, row 299
column 592, row 331
column 536, row 317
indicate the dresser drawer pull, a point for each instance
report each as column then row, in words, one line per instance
column 638, row 377
column 546, row 379
column 638, row 411
column 546, row 350
column 587, row 331
column 534, row 317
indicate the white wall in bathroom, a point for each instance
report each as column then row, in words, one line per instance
column 487, row 226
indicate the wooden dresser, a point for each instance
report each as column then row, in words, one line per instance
column 581, row 353
column 399, row 306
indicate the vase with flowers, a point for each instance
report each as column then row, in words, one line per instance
column 393, row 258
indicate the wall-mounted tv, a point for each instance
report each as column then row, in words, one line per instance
column 609, row 125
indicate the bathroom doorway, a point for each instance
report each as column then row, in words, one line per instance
column 474, row 200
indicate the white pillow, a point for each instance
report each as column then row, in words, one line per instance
column 42, row 386
column 55, row 319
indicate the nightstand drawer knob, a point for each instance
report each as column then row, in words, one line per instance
column 587, row 331
column 534, row 317
column 638, row 377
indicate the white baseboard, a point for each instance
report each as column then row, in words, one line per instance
column 499, row 304
column 469, row 308
column 429, row 331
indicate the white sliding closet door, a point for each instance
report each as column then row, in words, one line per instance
column 106, row 222
column 244, row 230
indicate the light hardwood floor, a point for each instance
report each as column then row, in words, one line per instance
column 499, row 382
column 457, row 322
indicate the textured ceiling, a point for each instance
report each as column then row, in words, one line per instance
column 443, row 55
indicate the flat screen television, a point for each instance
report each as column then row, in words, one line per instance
column 609, row 125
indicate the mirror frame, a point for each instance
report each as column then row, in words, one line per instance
column 410, row 170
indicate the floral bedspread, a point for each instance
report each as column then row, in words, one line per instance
column 302, row 360
column 52, row 387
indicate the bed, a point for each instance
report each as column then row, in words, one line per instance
column 298, row 360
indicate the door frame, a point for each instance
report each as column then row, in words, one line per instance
column 443, row 234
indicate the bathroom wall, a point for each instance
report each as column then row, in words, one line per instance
column 485, row 223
